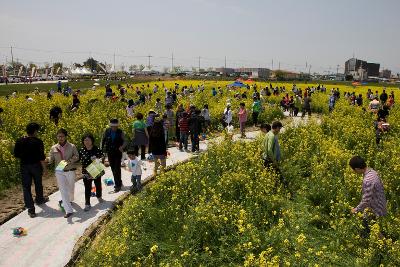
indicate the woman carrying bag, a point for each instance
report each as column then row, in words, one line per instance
column 64, row 155
column 87, row 155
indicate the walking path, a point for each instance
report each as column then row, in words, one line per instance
column 51, row 237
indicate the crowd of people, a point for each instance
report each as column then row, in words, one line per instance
column 154, row 131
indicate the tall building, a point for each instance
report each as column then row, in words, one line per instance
column 373, row 69
column 352, row 66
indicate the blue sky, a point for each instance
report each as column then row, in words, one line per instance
column 248, row 33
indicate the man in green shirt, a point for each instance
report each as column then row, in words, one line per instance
column 256, row 109
column 271, row 149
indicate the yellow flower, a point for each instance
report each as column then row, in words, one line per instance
column 301, row 238
column 154, row 249
column 185, row 254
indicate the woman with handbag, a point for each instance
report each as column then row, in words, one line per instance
column 64, row 155
column 87, row 154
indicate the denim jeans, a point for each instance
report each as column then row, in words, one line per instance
column 183, row 142
column 195, row 141
column 29, row 172
column 136, row 182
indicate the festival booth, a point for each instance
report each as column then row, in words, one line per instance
column 237, row 84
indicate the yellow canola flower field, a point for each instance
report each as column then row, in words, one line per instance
column 226, row 209
column 95, row 112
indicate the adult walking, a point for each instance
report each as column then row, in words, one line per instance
column 170, row 117
column 140, row 136
column 373, row 194
column 157, row 146
column 306, row 105
column 179, row 116
column 256, row 109
column 88, row 153
column 65, row 151
column 271, row 149
column 30, row 150
column 113, row 143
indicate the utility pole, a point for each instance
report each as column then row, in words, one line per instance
column 172, row 62
column 12, row 56
column 12, row 60
column 309, row 69
column 272, row 67
column 114, row 62
column 279, row 68
column 199, row 63
column 225, row 63
column 149, row 56
column 337, row 70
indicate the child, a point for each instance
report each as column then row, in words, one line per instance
column 135, row 166
column 183, row 131
column 242, row 119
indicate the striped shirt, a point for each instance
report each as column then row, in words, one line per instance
column 184, row 125
column 373, row 195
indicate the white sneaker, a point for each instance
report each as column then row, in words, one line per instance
column 87, row 208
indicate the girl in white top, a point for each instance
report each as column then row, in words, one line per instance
column 228, row 114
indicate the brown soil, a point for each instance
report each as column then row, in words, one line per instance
column 12, row 199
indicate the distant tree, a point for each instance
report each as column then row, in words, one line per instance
column 31, row 65
column 78, row 65
column 14, row 67
column 91, row 64
column 57, row 65
column 141, row 67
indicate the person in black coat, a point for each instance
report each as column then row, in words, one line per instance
column 157, row 146
column 30, row 151
column 113, row 144
column 87, row 154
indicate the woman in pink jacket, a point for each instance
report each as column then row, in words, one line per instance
column 242, row 114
